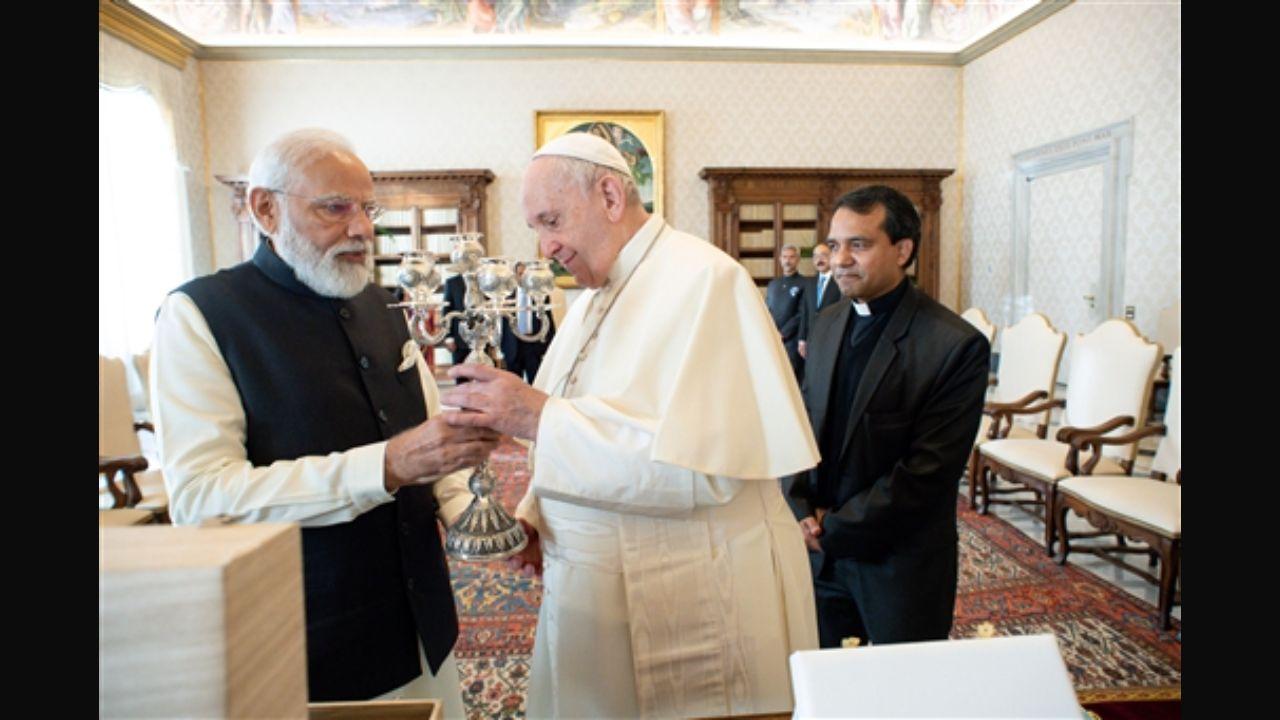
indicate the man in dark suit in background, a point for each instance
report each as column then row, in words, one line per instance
column 524, row 358
column 784, row 296
column 455, row 293
column 894, row 388
column 820, row 293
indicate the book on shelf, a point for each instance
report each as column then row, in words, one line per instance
column 440, row 216
column 397, row 218
column 799, row 212
column 441, row 244
column 758, row 267
column 755, row 212
column 393, row 244
column 387, row 275
column 762, row 240
column 802, row 237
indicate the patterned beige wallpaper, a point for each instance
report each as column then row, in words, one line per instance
column 1088, row 66
column 178, row 94
column 480, row 113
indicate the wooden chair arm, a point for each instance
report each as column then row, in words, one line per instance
column 1094, row 443
column 993, row 407
column 1066, row 433
column 1082, row 439
column 1006, row 411
column 1092, row 438
column 125, row 466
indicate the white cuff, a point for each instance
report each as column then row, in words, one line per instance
column 365, row 481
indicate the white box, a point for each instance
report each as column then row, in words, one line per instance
column 1004, row 677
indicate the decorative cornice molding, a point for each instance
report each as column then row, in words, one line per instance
column 145, row 34
column 759, row 172
column 469, row 176
column 577, row 52
column 477, row 177
column 1010, row 30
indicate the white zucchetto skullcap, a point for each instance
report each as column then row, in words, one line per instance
column 585, row 146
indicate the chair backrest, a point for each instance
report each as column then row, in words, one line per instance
column 116, row 435
column 1168, row 458
column 138, row 375
column 1169, row 327
column 1111, row 373
column 978, row 319
column 1029, row 355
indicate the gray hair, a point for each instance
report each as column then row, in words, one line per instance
column 586, row 174
column 289, row 153
column 787, row 247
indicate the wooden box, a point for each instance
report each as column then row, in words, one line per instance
column 201, row 622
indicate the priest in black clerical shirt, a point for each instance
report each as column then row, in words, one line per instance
column 894, row 384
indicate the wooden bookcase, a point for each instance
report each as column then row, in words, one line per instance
column 755, row 211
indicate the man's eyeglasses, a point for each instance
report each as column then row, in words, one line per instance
column 339, row 209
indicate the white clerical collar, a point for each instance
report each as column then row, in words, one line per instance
column 861, row 308
column 634, row 250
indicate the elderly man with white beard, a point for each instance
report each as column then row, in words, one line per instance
column 285, row 390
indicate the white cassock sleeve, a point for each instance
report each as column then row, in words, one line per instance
column 599, row 455
column 201, row 433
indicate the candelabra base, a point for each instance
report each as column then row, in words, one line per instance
column 485, row 530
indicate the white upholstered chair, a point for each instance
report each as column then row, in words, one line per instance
column 1029, row 355
column 1148, row 510
column 978, row 319
column 1169, row 327
column 123, row 477
column 1109, row 387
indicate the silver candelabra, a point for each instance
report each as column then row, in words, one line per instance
column 485, row 531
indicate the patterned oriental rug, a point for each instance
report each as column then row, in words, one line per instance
column 1108, row 637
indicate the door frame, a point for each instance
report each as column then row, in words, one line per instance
column 1110, row 146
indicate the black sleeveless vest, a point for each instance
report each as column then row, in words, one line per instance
column 319, row 375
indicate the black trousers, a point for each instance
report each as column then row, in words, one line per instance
column 905, row 598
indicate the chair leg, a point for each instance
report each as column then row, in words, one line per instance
column 1170, row 560
column 1049, row 524
column 1064, row 549
column 986, row 479
column 973, row 478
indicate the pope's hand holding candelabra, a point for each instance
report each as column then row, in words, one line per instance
column 485, row 531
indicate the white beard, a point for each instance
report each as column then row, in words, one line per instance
column 323, row 272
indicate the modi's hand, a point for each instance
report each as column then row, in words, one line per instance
column 432, row 449
column 494, row 399
column 529, row 560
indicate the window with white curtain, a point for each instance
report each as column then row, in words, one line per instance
column 142, row 232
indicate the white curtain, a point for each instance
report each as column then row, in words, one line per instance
column 142, row 225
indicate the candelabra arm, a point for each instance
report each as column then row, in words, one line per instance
column 535, row 337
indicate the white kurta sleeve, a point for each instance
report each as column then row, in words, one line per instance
column 201, row 433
